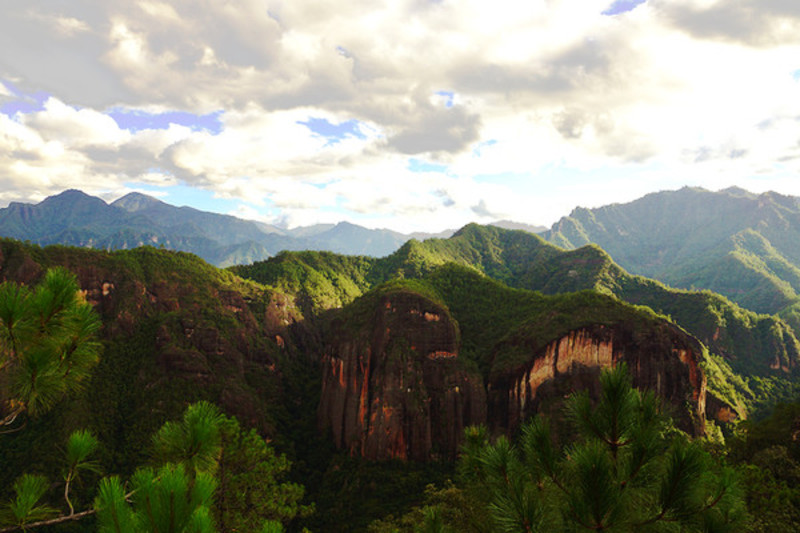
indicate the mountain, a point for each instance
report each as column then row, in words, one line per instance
column 76, row 219
column 739, row 342
column 510, row 224
column 340, row 358
column 742, row 245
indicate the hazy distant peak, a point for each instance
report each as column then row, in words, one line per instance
column 737, row 191
column 510, row 224
column 136, row 201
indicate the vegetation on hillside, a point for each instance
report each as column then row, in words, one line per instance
column 500, row 287
column 616, row 465
column 738, row 244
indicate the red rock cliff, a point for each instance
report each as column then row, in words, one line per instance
column 393, row 384
column 663, row 359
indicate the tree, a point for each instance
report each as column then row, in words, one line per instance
column 192, row 457
column 620, row 473
column 48, row 344
column 251, row 480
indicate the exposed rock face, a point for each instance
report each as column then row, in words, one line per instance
column 393, row 384
column 663, row 359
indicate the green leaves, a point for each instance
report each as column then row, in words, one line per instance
column 80, row 446
column 176, row 497
column 193, row 441
column 167, row 500
column 620, row 473
column 23, row 509
column 252, row 484
column 48, row 343
column 114, row 515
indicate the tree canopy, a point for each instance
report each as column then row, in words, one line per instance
column 48, row 345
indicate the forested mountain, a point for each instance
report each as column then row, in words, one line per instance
column 748, row 341
column 74, row 218
column 742, row 245
column 350, row 363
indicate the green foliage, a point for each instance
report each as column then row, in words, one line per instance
column 113, row 512
column 318, row 280
column 48, row 344
column 446, row 509
column 193, row 441
column 251, row 483
column 356, row 492
column 80, row 446
column 725, row 384
column 25, row 509
column 168, row 500
column 767, row 455
column 194, row 455
column 619, row 472
column 272, row 526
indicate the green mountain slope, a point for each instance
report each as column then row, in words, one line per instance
column 742, row 245
column 750, row 342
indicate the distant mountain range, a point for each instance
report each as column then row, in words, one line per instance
column 745, row 246
column 76, row 219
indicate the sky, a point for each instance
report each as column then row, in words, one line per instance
column 414, row 115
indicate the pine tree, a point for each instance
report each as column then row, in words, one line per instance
column 48, row 345
column 621, row 471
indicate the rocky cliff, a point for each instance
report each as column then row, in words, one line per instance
column 663, row 359
column 393, row 383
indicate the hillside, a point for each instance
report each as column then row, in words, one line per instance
column 175, row 330
column 749, row 342
column 338, row 358
column 741, row 245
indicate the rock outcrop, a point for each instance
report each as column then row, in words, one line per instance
column 393, row 383
column 661, row 358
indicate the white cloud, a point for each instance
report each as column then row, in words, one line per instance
column 578, row 106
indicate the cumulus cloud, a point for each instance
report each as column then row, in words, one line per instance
column 753, row 22
column 517, row 104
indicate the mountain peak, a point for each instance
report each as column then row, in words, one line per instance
column 136, row 201
column 71, row 197
column 510, row 224
column 737, row 191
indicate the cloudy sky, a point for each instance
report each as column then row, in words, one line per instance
column 408, row 114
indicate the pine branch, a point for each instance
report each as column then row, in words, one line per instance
column 51, row 522
column 58, row 520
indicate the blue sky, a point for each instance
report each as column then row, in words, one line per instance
column 136, row 120
column 465, row 111
column 622, row 6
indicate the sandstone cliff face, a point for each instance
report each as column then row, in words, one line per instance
column 393, row 384
column 662, row 359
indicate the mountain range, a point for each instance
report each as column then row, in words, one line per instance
column 339, row 358
column 74, row 218
column 742, row 245
column 745, row 246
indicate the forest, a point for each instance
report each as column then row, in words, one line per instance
column 485, row 382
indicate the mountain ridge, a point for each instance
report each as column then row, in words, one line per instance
column 75, row 218
column 743, row 245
